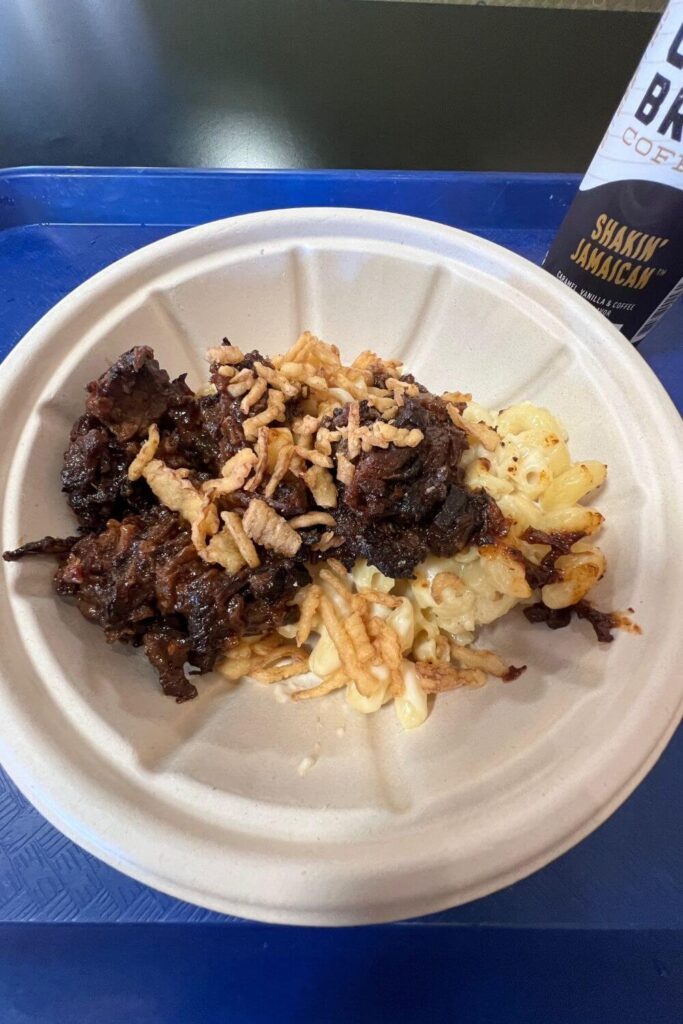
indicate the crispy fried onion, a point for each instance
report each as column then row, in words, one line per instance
column 435, row 677
column 263, row 525
column 477, row 657
column 277, row 380
column 267, row 659
column 334, row 681
column 353, row 431
column 388, row 644
column 261, row 459
column 314, row 456
column 308, row 519
column 481, row 432
column 148, row 450
column 274, row 411
column 280, row 469
column 241, row 383
column 343, row 640
column 253, row 395
column 321, row 485
column 242, row 542
column 233, row 474
column 369, row 647
column 378, row 435
column 328, row 540
column 345, row 469
column 220, row 549
column 174, row 490
column 223, row 355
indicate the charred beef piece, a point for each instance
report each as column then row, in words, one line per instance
column 59, row 546
column 247, row 363
column 203, row 433
column 554, row 618
column 602, row 622
column 168, row 650
column 120, row 406
column 396, row 550
column 292, row 497
column 133, row 393
column 393, row 549
column 142, row 581
column 557, row 618
column 538, row 576
column 196, row 433
column 219, row 608
column 95, row 475
column 404, row 503
column 112, row 574
column 191, row 433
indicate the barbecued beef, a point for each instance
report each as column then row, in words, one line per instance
column 203, row 433
column 95, row 475
column 133, row 393
column 59, row 546
column 141, row 580
column 136, row 572
column 197, row 433
column 121, row 404
column 404, row 503
column 545, row 572
column 557, row 618
column 167, row 650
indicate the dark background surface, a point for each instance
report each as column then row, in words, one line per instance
column 310, row 83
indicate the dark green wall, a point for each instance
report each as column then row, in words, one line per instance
column 310, row 83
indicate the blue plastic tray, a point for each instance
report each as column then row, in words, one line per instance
column 57, row 227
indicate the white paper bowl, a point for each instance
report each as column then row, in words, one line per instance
column 204, row 800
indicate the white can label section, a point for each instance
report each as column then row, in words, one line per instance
column 645, row 139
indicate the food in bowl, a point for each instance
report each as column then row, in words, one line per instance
column 296, row 515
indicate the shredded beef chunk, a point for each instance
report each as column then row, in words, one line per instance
column 95, row 475
column 404, row 503
column 135, row 572
column 554, row 618
column 198, row 433
column 133, row 393
column 120, row 406
column 514, row 672
column 203, row 433
column 557, row 618
column 142, row 582
column 292, row 497
column 167, row 651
